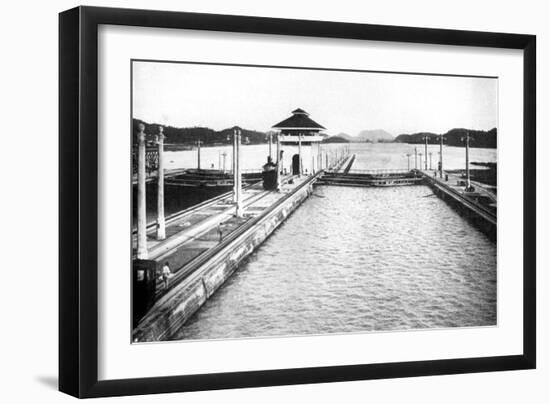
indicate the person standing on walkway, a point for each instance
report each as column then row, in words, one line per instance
column 166, row 274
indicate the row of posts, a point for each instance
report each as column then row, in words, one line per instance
column 142, row 251
column 440, row 168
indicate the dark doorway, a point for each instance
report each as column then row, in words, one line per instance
column 296, row 164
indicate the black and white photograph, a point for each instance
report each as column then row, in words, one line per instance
column 277, row 201
column 247, row 202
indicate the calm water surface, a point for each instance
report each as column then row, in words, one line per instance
column 370, row 156
column 360, row 259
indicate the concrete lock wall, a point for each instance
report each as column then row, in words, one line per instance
column 174, row 309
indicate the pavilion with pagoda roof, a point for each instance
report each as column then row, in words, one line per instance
column 300, row 138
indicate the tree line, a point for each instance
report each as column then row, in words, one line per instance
column 454, row 137
column 190, row 136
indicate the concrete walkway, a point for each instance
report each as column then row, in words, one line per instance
column 190, row 235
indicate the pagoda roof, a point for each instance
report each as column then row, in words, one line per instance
column 299, row 120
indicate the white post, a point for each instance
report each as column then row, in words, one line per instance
column 161, row 226
column 279, row 162
column 426, row 153
column 468, row 185
column 239, row 210
column 299, row 155
column 270, row 141
column 234, row 163
column 441, row 156
column 141, row 213
column 199, row 154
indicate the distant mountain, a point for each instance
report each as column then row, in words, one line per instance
column 374, row 135
column 335, row 139
column 453, row 137
column 343, row 135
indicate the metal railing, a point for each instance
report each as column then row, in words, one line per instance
column 380, row 171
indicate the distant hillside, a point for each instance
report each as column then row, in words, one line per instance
column 189, row 136
column 335, row 139
column 345, row 136
column 375, row 135
column 478, row 138
column 417, row 138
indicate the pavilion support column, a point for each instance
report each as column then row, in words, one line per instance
column 161, row 226
column 141, row 197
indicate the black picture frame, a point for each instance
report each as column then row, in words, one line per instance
column 78, row 196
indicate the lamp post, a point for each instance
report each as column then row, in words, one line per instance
column 408, row 161
column 420, row 159
column 426, row 153
column 237, row 180
column 270, row 139
column 468, row 184
column 141, row 212
column 415, row 158
column 224, row 155
column 234, row 165
column 430, row 160
column 299, row 155
column 199, row 154
column 279, row 161
column 161, row 226
column 441, row 156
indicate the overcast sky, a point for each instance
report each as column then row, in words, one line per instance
column 183, row 95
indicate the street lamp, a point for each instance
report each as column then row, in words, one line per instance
column 141, row 200
column 426, row 152
column 469, row 187
column 237, row 179
column 161, row 226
